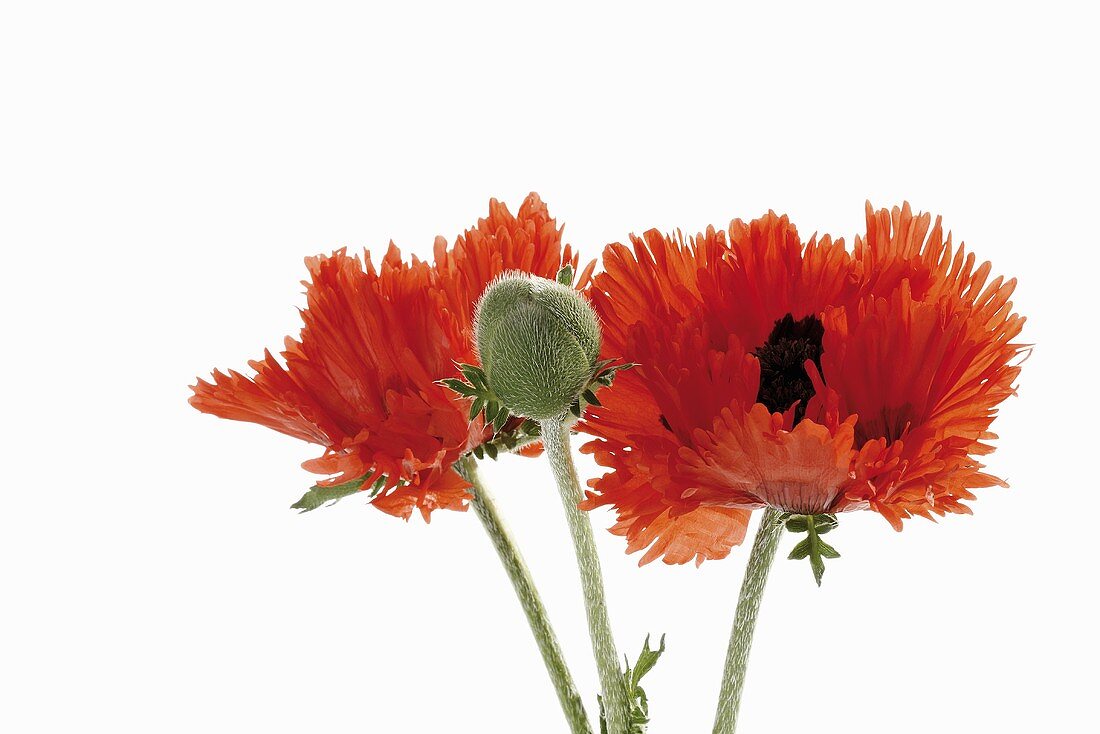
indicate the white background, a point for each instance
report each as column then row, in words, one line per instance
column 165, row 168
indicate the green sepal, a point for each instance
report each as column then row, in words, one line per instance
column 603, row 376
column 476, row 407
column 459, row 387
column 473, row 374
column 484, row 400
column 500, row 418
column 528, row 431
column 319, row 495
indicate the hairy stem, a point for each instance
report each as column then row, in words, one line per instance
column 744, row 624
column 555, row 437
column 485, row 508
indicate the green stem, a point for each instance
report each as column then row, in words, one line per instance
column 555, row 438
column 486, row 510
column 744, row 624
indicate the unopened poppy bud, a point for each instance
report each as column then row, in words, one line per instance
column 538, row 342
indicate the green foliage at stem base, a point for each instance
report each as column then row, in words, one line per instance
column 639, row 702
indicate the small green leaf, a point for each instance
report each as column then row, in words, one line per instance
column 603, row 375
column 796, row 523
column 458, row 386
column 817, row 566
column 801, row 550
column 825, row 523
column 827, row 551
column 565, row 275
column 646, row 660
column 639, row 701
column 520, row 434
column 812, row 546
column 319, row 495
column 472, row 373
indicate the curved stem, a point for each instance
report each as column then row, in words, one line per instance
column 744, row 624
column 555, row 438
column 486, row 510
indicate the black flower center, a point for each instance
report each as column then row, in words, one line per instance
column 783, row 379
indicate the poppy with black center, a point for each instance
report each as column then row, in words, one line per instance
column 797, row 375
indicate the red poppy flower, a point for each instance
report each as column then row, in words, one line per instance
column 361, row 379
column 798, row 376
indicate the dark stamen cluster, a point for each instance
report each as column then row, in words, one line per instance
column 783, row 379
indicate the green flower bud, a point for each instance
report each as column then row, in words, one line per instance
column 538, row 341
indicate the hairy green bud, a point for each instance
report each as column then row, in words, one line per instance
column 538, row 341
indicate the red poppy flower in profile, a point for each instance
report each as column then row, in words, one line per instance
column 799, row 376
column 361, row 378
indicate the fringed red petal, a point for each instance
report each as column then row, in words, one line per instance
column 756, row 459
column 919, row 348
column 362, row 378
